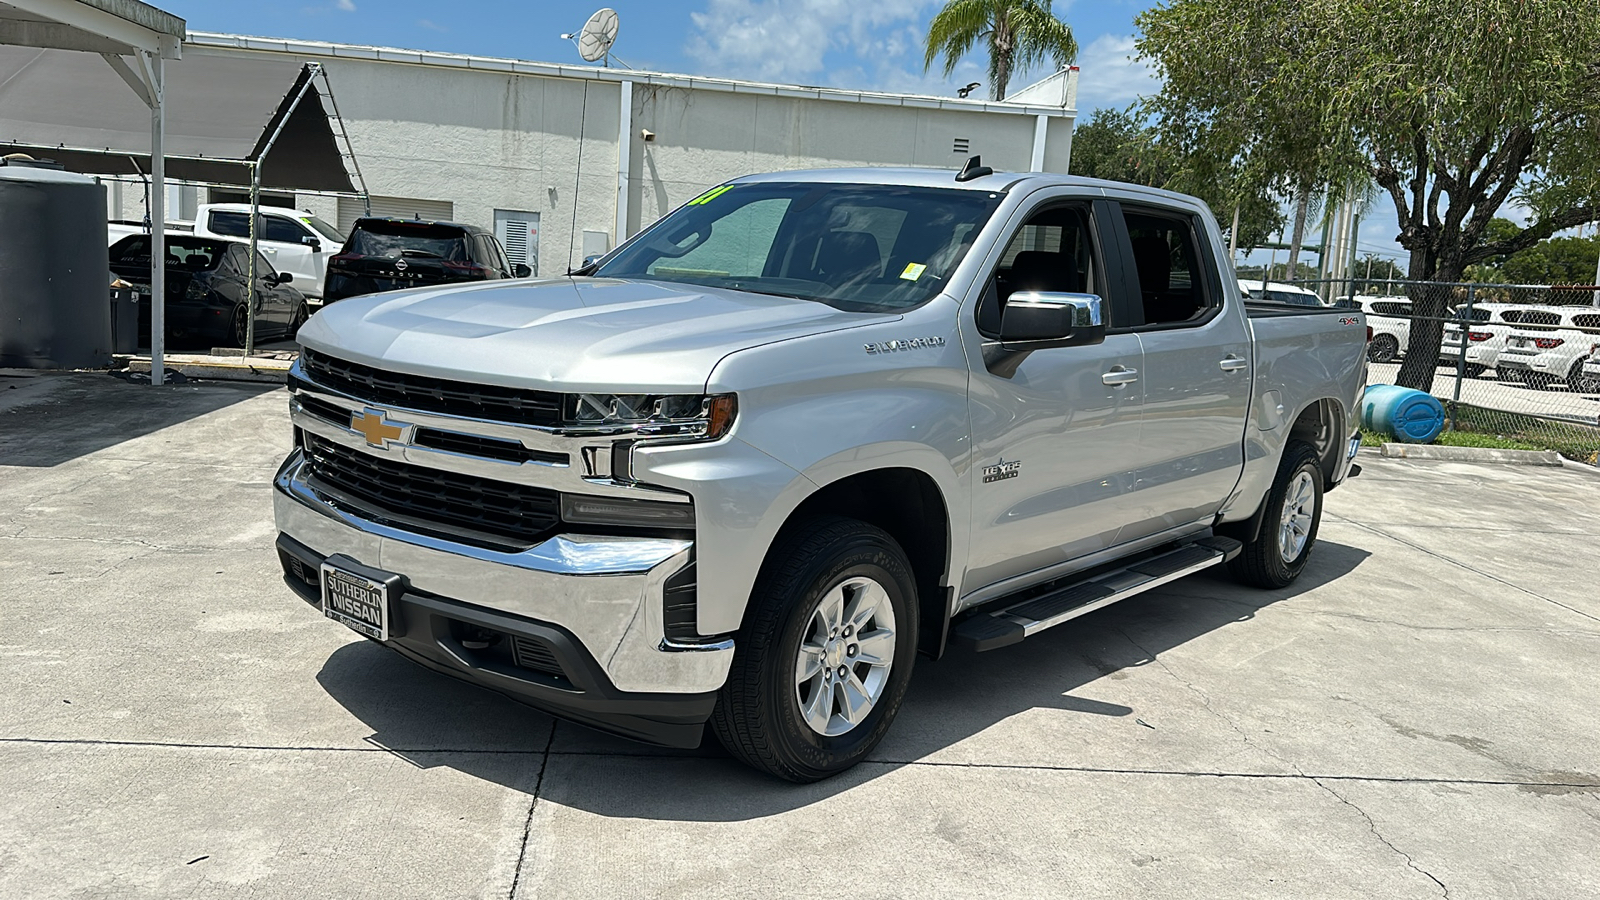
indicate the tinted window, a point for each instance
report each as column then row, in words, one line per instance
column 1539, row 317
column 186, row 254
column 263, row 268
column 1586, row 321
column 1293, row 298
column 854, row 246
column 1167, row 257
column 279, row 228
column 1391, row 309
column 233, row 224
column 395, row 239
column 323, row 228
column 1478, row 315
column 1052, row 252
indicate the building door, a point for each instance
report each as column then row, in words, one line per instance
column 518, row 233
column 350, row 209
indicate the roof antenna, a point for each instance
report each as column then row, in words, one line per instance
column 973, row 169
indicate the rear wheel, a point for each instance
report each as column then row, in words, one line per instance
column 1384, row 348
column 825, row 654
column 240, row 328
column 1472, row 370
column 1294, row 511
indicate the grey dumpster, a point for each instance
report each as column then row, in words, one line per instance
column 54, row 270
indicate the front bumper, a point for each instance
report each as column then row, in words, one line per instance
column 594, row 603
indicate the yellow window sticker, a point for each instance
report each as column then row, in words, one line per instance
column 710, row 195
column 913, row 271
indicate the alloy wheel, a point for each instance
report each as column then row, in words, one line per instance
column 844, row 659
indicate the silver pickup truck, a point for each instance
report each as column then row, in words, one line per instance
column 744, row 468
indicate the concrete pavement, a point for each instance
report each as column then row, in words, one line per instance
column 1416, row 715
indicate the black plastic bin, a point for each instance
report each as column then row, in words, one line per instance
column 124, row 321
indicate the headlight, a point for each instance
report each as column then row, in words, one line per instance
column 690, row 416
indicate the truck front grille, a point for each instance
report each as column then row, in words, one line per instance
column 421, row 392
column 524, row 515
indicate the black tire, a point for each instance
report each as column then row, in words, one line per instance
column 301, row 314
column 1384, row 348
column 1472, row 370
column 1575, row 377
column 238, row 328
column 1261, row 563
column 758, row 715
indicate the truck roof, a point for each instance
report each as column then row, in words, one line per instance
column 946, row 178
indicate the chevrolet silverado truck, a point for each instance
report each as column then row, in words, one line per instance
column 746, row 467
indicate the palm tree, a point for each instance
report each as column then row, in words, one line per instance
column 1020, row 33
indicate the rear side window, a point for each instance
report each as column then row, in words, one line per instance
column 233, row 224
column 1166, row 255
column 397, row 239
column 184, row 254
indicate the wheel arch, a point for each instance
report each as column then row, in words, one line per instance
column 910, row 506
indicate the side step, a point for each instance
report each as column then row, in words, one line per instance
column 1002, row 625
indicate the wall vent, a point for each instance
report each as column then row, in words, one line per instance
column 962, row 145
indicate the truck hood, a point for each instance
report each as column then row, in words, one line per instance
column 587, row 334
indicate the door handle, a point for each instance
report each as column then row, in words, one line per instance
column 1119, row 376
column 1232, row 363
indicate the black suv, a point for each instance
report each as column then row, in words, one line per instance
column 392, row 254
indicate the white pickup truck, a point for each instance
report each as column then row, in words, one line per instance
column 291, row 241
column 745, row 467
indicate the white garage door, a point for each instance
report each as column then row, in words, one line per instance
column 350, row 209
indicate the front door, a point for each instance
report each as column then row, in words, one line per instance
column 284, row 242
column 1051, row 480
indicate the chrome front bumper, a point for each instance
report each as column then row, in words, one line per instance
column 607, row 592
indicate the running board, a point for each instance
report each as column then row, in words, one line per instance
column 1002, row 625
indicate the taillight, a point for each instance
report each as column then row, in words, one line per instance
column 1548, row 343
column 1479, row 335
column 1369, row 334
column 471, row 270
column 341, row 259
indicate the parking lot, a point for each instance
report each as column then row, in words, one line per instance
column 1414, row 718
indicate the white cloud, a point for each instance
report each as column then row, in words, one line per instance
column 791, row 40
column 345, row 5
column 1109, row 76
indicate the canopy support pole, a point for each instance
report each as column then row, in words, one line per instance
column 151, row 67
column 255, row 207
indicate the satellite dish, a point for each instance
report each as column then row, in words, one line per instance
column 598, row 34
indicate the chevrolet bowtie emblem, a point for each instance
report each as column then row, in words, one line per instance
column 371, row 424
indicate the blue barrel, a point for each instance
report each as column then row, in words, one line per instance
column 1413, row 417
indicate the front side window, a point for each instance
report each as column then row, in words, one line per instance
column 286, row 231
column 1166, row 255
column 852, row 246
column 1053, row 252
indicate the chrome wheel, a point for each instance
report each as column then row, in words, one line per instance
column 1299, row 509
column 844, row 659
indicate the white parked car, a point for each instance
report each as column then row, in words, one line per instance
column 1390, row 320
column 1492, row 323
column 1550, row 345
column 1276, row 292
column 292, row 241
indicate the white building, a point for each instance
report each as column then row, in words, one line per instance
column 566, row 160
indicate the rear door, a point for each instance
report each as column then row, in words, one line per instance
column 1196, row 375
column 1051, row 436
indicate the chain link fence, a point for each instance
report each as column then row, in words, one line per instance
column 1519, row 363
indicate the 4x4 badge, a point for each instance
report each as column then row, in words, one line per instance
column 1002, row 470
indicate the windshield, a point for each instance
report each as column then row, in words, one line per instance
column 184, row 254
column 324, row 229
column 853, row 246
column 424, row 240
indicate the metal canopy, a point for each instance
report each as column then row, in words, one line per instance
column 219, row 115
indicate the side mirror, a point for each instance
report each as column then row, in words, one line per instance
column 285, row 277
column 312, row 242
column 520, row 270
column 1035, row 320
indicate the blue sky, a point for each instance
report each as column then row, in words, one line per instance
column 863, row 44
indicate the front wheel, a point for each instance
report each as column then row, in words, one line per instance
column 240, row 327
column 825, row 654
column 1294, row 511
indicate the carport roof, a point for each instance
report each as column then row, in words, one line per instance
column 118, row 27
column 73, row 108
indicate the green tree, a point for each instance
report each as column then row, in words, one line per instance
column 1017, row 34
column 1555, row 261
column 1114, row 145
column 1453, row 108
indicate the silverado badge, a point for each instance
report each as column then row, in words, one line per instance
column 1002, row 470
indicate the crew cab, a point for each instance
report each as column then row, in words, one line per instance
column 298, row 243
column 743, row 469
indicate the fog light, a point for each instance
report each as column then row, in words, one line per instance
column 621, row 511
